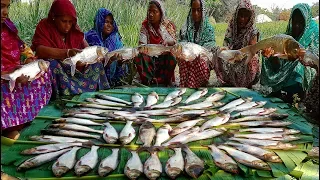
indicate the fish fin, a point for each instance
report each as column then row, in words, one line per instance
column 37, row 76
column 73, row 70
column 282, row 56
column 11, row 85
column 6, row 77
column 139, row 140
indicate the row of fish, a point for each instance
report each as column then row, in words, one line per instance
column 152, row 168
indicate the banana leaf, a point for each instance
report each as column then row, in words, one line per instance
column 11, row 157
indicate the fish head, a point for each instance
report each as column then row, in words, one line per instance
column 104, row 171
column 60, row 120
column 177, row 50
column 153, row 174
column 81, row 169
column 25, row 165
column 56, row 125
column 44, row 65
column 132, row 173
column 276, row 116
column 173, row 172
column 35, row 138
column 272, row 158
column 110, row 139
column 58, row 171
column 28, row 151
column 167, row 126
column 293, row 131
column 125, row 140
column 230, row 167
column 194, row 170
column 293, row 49
column 261, row 164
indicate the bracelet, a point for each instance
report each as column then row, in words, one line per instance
column 68, row 53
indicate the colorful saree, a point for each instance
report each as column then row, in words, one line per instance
column 196, row 73
column 113, row 42
column 91, row 78
column 156, row 70
column 23, row 104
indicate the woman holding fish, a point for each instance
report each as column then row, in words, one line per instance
column 292, row 76
column 105, row 33
column 196, row 29
column 241, row 32
column 22, row 94
column 58, row 37
column 156, row 29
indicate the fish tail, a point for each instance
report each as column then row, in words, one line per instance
column 12, row 85
column 73, row 69
column 249, row 50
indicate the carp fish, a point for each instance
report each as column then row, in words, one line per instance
column 190, row 51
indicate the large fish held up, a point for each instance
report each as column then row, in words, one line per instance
column 153, row 49
column 310, row 59
column 89, row 55
column 33, row 70
column 125, row 53
column 284, row 46
column 190, row 51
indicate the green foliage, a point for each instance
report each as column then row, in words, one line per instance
column 315, row 9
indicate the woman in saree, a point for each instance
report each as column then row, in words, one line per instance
column 293, row 77
column 156, row 29
column 105, row 33
column 22, row 105
column 241, row 32
column 58, row 37
column 198, row 30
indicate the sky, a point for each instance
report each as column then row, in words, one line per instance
column 287, row 4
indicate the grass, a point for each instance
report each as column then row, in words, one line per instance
column 128, row 14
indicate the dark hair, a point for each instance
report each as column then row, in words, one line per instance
column 158, row 6
column 195, row 0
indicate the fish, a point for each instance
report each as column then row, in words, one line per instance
column 87, row 162
column 284, row 46
column 245, row 158
column 273, row 136
column 152, row 99
column 41, row 159
column 34, row 70
column 310, row 59
column 266, row 144
column 247, row 106
column 110, row 135
column 134, row 167
column 85, row 111
column 120, row 115
column 189, row 51
column 137, row 99
column 104, row 102
column 68, row 133
column 206, row 134
column 109, row 163
column 270, row 130
column 235, row 103
column 217, row 121
column 184, row 126
column 128, row 133
column 126, row 54
column 256, row 151
column 222, row 160
column 255, row 111
column 202, row 105
column 217, row 96
column 196, row 95
column 163, row 134
column 182, row 136
column 231, row 55
column 89, row 55
column 175, row 164
column 272, row 116
column 57, row 139
column 79, row 121
column 200, row 112
column 167, row 104
column 153, row 49
column 193, row 165
column 175, row 93
column 86, row 116
column 270, row 123
column 65, row 162
column 97, row 106
column 111, row 98
column 49, row 148
column 147, row 131
column 152, row 167
column 174, row 119
column 161, row 112
column 75, row 127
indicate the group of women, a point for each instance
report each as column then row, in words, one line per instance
column 58, row 37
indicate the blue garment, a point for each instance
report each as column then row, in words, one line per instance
column 113, row 42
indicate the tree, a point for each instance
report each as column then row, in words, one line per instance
column 315, row 9
column 284, row 15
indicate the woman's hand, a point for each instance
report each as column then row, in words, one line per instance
column 30, row 59
column 73, row 52
column 22, row 79
column 267, row 52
